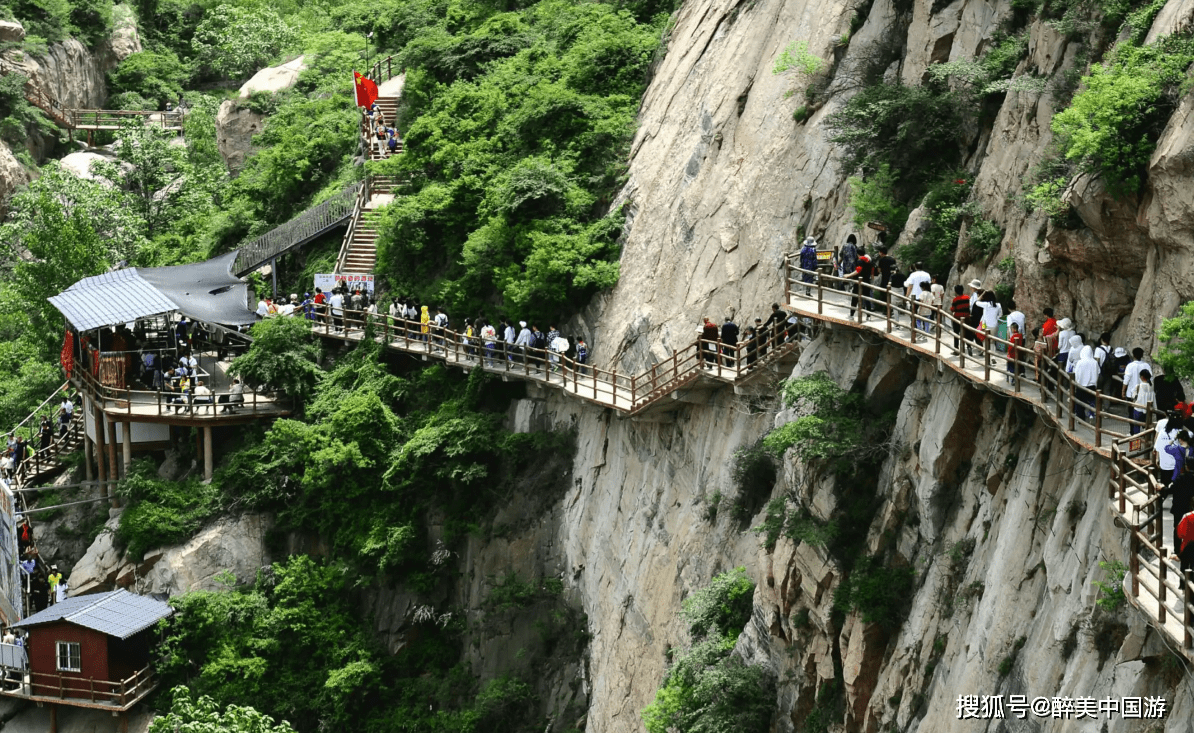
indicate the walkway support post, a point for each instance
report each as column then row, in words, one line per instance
column 987, row 358
column 1098, row 419
column 1187, row 613
column 273, row 272
column 127, row 446
column 86, row 451
column 207, row 453
column 112, row 448
column 99, row 447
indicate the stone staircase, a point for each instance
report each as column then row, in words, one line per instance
column 358, row 253
column 378, row 150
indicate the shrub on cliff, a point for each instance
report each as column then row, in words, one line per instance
column 283, row 356
column 707, row 689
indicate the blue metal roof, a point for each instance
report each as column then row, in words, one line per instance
column 206, row 291
column 116, row 613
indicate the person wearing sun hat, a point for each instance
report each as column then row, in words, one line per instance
column 1063, row 341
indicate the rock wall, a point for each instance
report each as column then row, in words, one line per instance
column 236, row 125
column 1002, row 519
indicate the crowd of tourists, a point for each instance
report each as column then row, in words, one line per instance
column 387, row 135
column 496, row 344
column 729, row 345
column 1056, row 346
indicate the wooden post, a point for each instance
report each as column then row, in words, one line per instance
column 112, row 448
column 962, row 347
column 1161, row 587
column 86, row 452
column 787, row 280
column 53, row 707
column 207, row 453
column 127, row 428
column 986, row 358
column 820, row 296
column 1187, row 611
column 937, row 332
column 1060, row 395
column 1098, row 419
column 101, row 474
column 1134, row 562
column 858, row 312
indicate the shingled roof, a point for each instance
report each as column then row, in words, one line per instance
column 117, row 613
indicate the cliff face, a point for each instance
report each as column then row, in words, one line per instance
column 721, row 178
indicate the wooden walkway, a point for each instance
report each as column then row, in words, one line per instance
column 1153, row 582
column 702, row 367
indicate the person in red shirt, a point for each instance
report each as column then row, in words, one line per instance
column 865, row 271
column 1014, row 352
column 320, row 308
column 959, row 308
column 1185, row 535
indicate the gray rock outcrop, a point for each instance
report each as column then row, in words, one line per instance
column 232, row 544
column 236, row 125
column 11, row 31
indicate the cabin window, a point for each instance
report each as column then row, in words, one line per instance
column 70, row 656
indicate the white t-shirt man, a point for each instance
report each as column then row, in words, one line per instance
column 913, row 281
column 337, row 303
column 1164, row 438
column 1132, row 375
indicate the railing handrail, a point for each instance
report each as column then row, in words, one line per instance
column 301, row 228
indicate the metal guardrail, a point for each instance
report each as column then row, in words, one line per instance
column 300, row 230
column 110, row 119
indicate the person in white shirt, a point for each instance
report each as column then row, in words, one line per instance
column 913, row 281
column 1075, row 354
column 1063, row 341
column 1086, row 374
column 924, row 298
column 1132, row 372
column 337, row 304
column 262, row 308
column 1016, row 317
column 1142, row 397
column 203, row 395
column 1165, row 435
column 489, row 336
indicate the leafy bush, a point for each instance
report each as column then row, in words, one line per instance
column 796, row 57
column 725, row 604
column 1111, row 591
column 753, row 472
column 515, row 125
column 156, row 77
column 1045, row 197
column 161, row 512
column 985, row 237
column 873, row 198
column 773, row 522
column 1177, row 343
column 946, row 208
column 803, row 527
column 875, row 127
column 204, row 716
column 284, row 356
column 19, row 117
column 880, row 594
column 838, row 430
column 706, row 689
column 1112, row 124
column 236, row 42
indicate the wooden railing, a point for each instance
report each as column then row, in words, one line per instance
column 38, row 98
column 163, row 403
column 68, row 687
column 1024, row 372
column 1154, row 580
column 628, row 393
column 114, row 119
column 358, row 208
column 299, row 231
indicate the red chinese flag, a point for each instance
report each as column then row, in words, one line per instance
column 68, row 353
column 366, row 90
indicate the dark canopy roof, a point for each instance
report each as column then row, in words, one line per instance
column 203, row 291
column 117, row 613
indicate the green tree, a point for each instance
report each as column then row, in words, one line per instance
column 236, row 41
column 284, row 356
column 1177, row 343
column 155, row 76
column 154, row 172
column 203, row 715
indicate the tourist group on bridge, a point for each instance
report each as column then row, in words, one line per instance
column 528, row 346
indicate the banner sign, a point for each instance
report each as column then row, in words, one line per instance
column 328, row 282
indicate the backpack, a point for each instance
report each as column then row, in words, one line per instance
column 392, row 144
column 582, row 353
column 540, row 341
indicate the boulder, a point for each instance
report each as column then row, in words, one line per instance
column 11, row 31
column 80, row 164
column 274, row 78
column 125, row 40
column 233, row 544
column 236, row 125
column 235, row 128
column 96, row 570
column 12, row 176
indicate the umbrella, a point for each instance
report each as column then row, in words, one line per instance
column 559, row 344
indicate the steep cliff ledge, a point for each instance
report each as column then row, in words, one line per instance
column 1002, row 521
